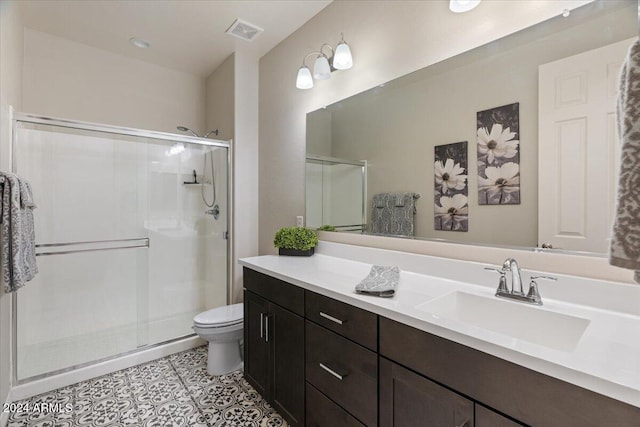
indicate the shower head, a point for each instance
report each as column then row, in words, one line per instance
column 206, row 135
column 215, row 132
column 186, row 129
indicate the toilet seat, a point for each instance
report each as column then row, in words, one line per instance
column 219, row 317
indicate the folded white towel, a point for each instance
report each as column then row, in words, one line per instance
column 382, row 281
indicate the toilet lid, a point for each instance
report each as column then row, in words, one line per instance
column 220, row 316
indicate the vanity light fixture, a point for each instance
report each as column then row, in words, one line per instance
column 459, row 6
column 338, row 59
column 342, row 60
column 321, row 68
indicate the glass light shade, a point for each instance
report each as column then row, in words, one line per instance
column 304, row 80
column 321, row 69
column 176, row 148
column 342, row 59
column 459, row 6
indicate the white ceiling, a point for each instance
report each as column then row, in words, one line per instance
column 185, row 35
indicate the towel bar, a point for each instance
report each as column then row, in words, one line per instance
column 144, row 243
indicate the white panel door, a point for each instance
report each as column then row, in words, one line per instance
column 578, row 148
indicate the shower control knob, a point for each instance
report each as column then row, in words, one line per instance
column 215, row 211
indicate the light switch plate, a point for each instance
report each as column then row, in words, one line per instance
column 300, row 221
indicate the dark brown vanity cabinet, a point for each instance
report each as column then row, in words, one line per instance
column 256, row 348
column 344, row 371
column 520, row 393
column 485, row 417
column 342, row 360
column 274, row 343
column 323, row 412
column 411, row 400
column 347, row 367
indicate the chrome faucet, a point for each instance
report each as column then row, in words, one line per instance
column 511, row 265
column 516, row 293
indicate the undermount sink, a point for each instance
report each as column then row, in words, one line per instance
column 516, row 320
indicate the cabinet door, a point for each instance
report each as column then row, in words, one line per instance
column 256, row 347
column 286, row 336
column 322, row 412
column 408, row 399
column 485, row 417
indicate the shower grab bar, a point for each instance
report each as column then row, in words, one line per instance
column 144, row 243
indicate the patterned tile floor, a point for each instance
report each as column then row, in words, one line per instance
column 173, row 391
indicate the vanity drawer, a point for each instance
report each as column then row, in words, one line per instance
column 282, row 293
column 351, row 322
column 322, row 412
column 344, row 371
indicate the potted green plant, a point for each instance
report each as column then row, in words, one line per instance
column 326, row 227
column 295, row 241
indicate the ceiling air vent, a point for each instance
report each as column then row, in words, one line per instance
column 244, row 30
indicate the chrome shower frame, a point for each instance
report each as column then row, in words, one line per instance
column 17, row 117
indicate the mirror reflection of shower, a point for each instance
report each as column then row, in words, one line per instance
column 215, row 209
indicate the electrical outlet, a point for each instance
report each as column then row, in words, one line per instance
column 300, row 221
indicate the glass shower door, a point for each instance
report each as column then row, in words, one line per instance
column 335, row 193
column 126, row 251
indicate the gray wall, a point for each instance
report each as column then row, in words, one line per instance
column 220, row 100
column 72, row 80
column 388, row 39
column 319, row 130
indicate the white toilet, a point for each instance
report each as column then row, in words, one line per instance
column 222, row 327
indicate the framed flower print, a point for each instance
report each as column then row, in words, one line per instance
column 498, row 138
column 451, row 209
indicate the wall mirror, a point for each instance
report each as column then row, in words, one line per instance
column 509, row 144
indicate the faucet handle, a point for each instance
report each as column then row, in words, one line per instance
column 533, row 293
column 502, row 285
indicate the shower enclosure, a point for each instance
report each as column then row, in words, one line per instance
column 127, row 248
column 336, row 192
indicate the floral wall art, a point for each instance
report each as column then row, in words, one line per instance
column 451, row 190
column 498, row 132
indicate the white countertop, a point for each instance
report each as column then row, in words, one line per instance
column 605, row 360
